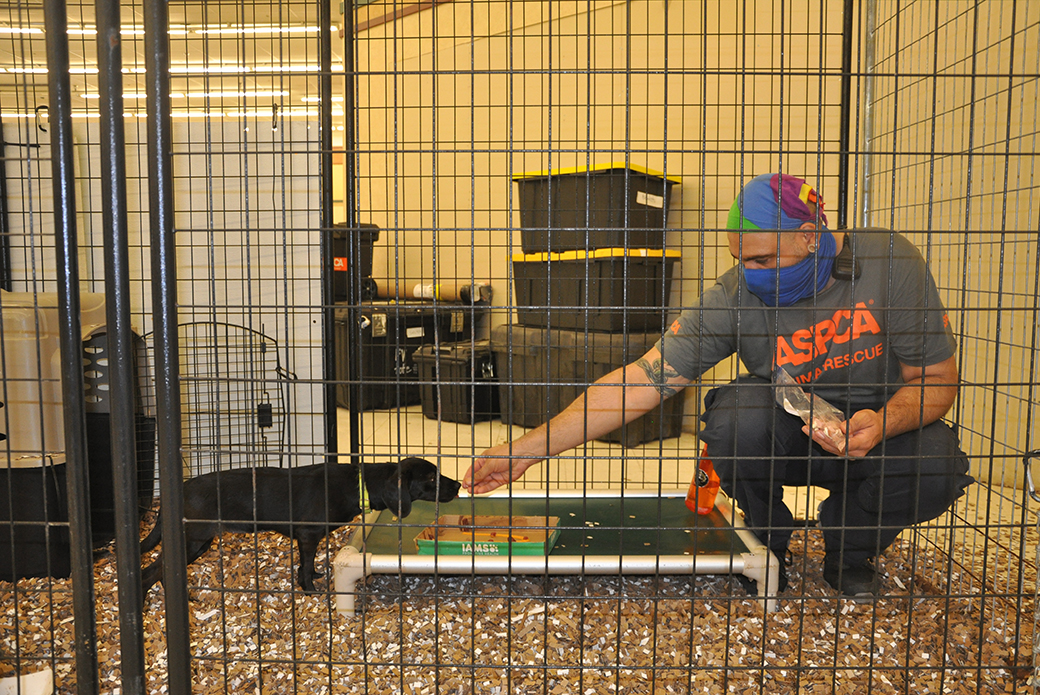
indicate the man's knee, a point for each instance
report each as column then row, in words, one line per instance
column 741, row 419
column 918, row 478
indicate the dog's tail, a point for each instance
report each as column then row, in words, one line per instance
column 154, row 536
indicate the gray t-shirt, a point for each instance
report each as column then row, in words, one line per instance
column 848, row 341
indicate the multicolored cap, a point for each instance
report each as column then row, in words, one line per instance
column 774, row 201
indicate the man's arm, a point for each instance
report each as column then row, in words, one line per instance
column 638, row 387
column 927, row 396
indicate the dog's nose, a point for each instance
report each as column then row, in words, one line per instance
column 449, row 489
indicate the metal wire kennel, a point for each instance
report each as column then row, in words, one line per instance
column 201, row 193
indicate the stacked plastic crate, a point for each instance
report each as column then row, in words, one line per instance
column 411, row 352
column 592, row 284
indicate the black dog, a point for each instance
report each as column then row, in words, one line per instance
column 292, row 502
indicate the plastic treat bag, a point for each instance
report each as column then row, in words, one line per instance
column 822, row 417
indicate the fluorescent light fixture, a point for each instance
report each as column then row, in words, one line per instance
column 129, row 96
column 89, row 30
column 273, row 68
column 181, row 29
column 216, row 115
column 256, row 29
column 314, row 100
column 266, row 113
column 239, row 95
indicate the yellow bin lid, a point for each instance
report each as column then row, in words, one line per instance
column 609, row 166
column 579, row 255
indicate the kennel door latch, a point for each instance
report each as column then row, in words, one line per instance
column 264, row 415
column 1030, row 487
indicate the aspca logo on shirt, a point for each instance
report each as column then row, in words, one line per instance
column 809, row 343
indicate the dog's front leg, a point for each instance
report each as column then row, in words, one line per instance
column 151, row 575
column 308, row 545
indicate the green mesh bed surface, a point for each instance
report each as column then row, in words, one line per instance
column 643, row 525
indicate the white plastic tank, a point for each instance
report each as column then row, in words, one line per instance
column 30, row 374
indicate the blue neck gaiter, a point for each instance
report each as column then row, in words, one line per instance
column 795, row 282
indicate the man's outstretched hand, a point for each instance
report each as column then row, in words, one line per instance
column 494, row 468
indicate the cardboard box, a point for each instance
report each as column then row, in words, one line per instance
column 462, row 534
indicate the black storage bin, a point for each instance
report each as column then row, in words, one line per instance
column 39, row 498
column 33, row 485
column 99, row 439
column 36, row 544
column 542, row 371
column 391, row 332
column 601, row 290
column 597, row 207
column 99, row 459
column 342, row 250
column 460, row 377
column 527, row 359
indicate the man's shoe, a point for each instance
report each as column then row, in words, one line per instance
column 858, row 579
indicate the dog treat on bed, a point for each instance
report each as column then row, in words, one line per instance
column 455, row 291
column 462, row 534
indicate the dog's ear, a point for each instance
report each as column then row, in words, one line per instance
column 396, row 496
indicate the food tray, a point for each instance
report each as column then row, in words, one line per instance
column 464, row 534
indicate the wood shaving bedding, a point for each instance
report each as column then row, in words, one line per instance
column 524, row 634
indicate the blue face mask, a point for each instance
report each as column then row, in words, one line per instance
column 796, row 282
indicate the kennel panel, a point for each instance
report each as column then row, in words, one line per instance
column 447, row 100
column 951, row 163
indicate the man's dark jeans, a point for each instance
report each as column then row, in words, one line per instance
column 757, row 448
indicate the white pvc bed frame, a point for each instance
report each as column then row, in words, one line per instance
column 352, row 564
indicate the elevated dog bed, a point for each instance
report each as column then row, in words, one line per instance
column 600, row 533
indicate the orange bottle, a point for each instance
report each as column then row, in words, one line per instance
column 704, row 487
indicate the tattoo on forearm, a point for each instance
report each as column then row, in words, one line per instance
column 658, row 372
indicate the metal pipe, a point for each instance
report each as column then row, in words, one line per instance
column 870, row 53
column 327, row 292
column 846, row 115
column 73, row 402
column 166, row 343
column 5, row 222
column 353, row 331
column 120, row 346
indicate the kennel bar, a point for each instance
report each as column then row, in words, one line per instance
column 382, row 545
column 5, row 222
column 328, row 286
column 159, row 135
column 120, row 346
column 73, row 406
